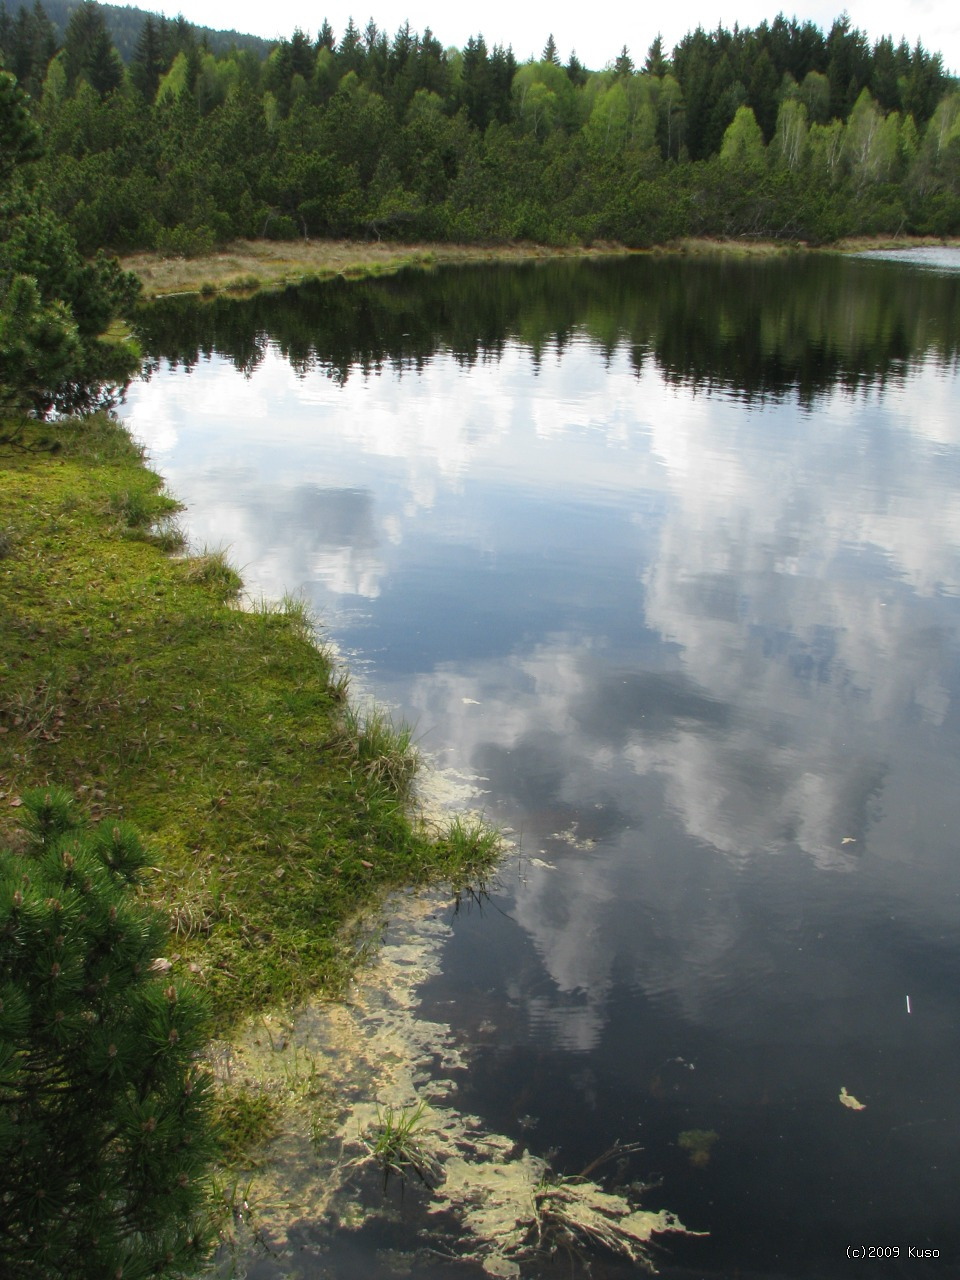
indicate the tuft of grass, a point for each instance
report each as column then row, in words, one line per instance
column 167, row 535
column 244, row 284
column 213, row 569
column 35, row 711
column 293, row 609
column 381, row 750
column 395, row 1143
column 140, row 510
column 472, row 841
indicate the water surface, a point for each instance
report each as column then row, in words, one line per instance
column 663, row 556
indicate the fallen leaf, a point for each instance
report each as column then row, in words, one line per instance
column 848, row 1100
column 16, row 802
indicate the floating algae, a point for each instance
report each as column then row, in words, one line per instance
column 511, row 1208
column 382, row 1063
column 698, row 1143
column 848, row 1100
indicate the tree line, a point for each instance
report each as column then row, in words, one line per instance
column 780, row 130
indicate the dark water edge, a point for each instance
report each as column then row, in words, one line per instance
column 759, row 328
column 700, row 644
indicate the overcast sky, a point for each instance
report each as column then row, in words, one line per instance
column 597, row 32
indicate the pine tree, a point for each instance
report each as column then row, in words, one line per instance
column 105, row 1130
column 550, row 51
column 53, row 305
column 19, row 134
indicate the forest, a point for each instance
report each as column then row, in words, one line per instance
column 780, row 131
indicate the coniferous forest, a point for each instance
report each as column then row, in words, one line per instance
column 782, row 131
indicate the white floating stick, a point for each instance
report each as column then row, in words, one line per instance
column 908, row 1004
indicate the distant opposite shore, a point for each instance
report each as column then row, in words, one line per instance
column 248, row 265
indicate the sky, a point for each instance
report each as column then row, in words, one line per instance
column 596, row 33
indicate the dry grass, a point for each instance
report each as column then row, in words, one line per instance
column 247, row 265
column 858, row 244
column 694, row 246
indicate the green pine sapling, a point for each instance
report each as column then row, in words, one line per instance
column 105, row 1129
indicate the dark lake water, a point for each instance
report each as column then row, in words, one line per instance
column 662, row 560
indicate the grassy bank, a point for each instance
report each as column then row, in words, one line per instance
column 248, row 265
column 275, row 814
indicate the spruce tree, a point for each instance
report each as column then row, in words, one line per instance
column 148, row 65
column 88, row 50
column 655, row 63
column 623, row 67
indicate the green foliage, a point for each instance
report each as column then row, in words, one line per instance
column 19, row 135
column 372, row 137
column 105, row 1133
column 40, row 342
column 743, row 142
column 53, row 304
column 88, row 50
column 183, row 242
column 53, row 307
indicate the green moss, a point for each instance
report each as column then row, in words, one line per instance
column 245, row 1119
column 274, row 814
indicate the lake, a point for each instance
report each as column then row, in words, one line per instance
column 661, row 558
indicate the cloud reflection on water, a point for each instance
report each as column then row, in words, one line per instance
column 739, row 621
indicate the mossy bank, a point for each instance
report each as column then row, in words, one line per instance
column 274, row 812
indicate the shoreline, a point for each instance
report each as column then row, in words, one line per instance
column 135, row 676
column 247, row 266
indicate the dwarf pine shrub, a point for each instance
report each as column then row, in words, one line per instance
column 105, row 1131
